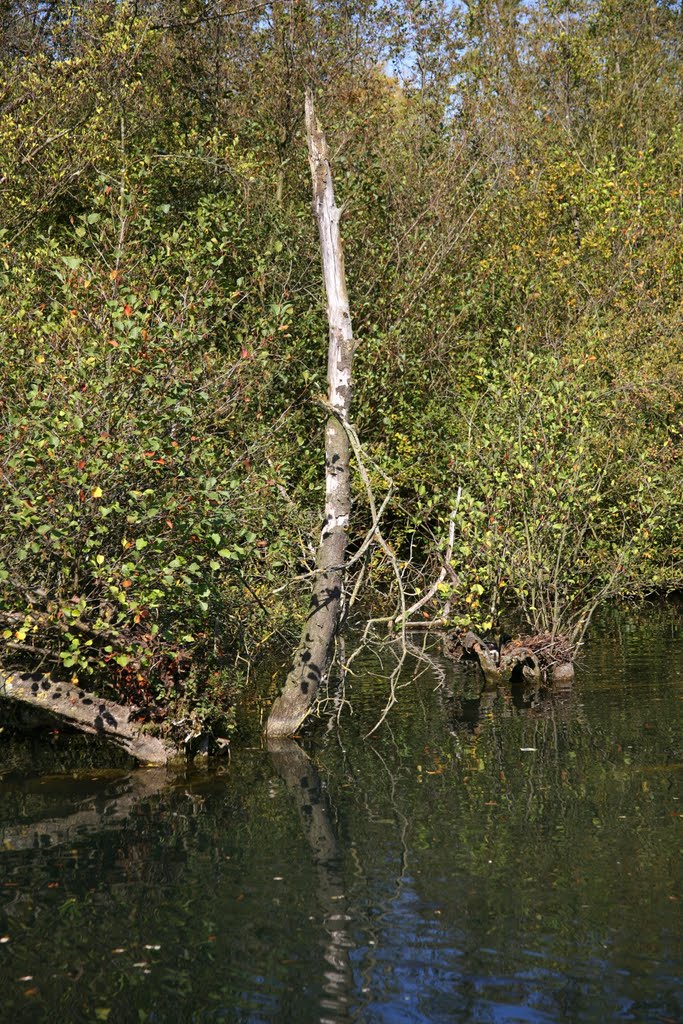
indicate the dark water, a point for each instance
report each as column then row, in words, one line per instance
column 497, row 859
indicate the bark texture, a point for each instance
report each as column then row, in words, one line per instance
column 75, row 707
column 312, row 658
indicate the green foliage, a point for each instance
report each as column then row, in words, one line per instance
column 120, row 541
column 551, row 519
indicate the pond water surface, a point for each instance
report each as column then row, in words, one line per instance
column 477, row 859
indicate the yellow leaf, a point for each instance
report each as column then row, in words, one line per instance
column 97, row 493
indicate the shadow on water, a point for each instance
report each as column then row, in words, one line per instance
column 488, row 855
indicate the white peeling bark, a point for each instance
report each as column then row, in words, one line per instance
column 312, row 658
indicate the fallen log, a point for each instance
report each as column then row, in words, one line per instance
column 69, row 705
column 500, row 666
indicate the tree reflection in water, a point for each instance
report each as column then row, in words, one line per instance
column 303, row 783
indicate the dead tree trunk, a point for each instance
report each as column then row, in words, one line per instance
column 312, row 658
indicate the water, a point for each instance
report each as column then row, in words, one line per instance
column 493, row 860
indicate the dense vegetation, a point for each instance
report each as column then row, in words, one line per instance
column 513, row 185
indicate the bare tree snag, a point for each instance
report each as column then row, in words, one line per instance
column 312, row 658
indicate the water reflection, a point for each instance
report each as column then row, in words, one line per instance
column 303, row 783
column 472, row 703
column 76, row 808
column 486, row 856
